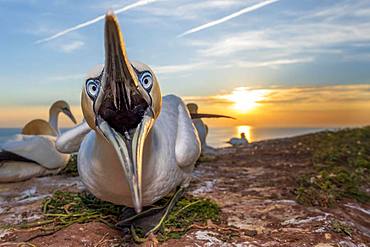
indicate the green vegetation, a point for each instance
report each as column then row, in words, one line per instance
column 341, row 167
column 71, row 167
column 186, row 213
column 66, row 208
column 340, row 227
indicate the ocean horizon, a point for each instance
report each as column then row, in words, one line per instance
column 218, row 136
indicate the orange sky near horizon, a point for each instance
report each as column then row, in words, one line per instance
column 327, row 106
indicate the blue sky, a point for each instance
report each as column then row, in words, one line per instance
column 287, row 43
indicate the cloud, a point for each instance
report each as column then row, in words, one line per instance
column 190, row 10
column 74, row 45
column 290, row 37
column 71, row 77
column 339, row 31
column 272, row 63
column 354, row 9
column 182, row 68
column 333, row 94
column 171, row 69
column 95, row 20
column 228, row 17
column 327, row 94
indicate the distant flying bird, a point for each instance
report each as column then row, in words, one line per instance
column 33, row 152
column 140, row 146
column 201, row 127
column 239, row 141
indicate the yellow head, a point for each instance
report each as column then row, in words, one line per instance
column 192, row 107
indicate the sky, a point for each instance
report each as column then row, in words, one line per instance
column 276, row 63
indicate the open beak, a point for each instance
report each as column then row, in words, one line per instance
column 69, row 114
column 123, row 109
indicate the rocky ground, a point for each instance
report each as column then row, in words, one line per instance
column 253, row 186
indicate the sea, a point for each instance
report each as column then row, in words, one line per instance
column 218, row 136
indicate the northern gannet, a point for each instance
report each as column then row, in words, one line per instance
column 140, row 146
column 201, row 127
column 33, row 152
column 239, row 141
column 42, row 127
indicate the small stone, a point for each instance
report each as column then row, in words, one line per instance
column 346, row 244
column 327, row 236
column 324, row 245
column 250, row 233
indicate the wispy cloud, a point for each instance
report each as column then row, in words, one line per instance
column 331, row 94
column 273, row 63
column 327, row 94
column 183, row 68
column 190, row 10
column 69, row 77
column 229, row 17
column 289, row 37
column 74, row 45
column 171, row 69
column 337, row 31
column 95, row 20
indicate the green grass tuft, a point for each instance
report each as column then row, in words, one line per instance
column 341, row 162
column 66, row 208
column 188, row 211
column 341, row 228
column 63, row 209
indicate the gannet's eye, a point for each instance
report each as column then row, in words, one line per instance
column 146, row 81
column 92, row 88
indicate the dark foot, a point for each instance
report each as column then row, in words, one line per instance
column 150, row 220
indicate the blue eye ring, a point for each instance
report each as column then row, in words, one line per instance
column 146, row 80
column 92, row 88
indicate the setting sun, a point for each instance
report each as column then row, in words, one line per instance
column 246, row 99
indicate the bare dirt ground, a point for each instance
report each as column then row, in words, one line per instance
column 252, row 185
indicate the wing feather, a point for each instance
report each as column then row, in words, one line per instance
column 39, row 148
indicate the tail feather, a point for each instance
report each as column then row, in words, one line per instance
column 9, row 156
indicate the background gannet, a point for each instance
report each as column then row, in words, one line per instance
column 140, row 147
column 42, row 127
column 33, row 152
column 201, row 127
column 238, row 141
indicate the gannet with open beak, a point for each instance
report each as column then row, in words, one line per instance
column 141, row 147
column 33, row 152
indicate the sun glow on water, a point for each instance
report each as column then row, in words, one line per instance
column 246, row 130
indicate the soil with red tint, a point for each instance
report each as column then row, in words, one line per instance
column 252, row 185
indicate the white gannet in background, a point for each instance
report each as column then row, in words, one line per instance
column 42, row 127
column 239, row 141
column 140, row 146
column 33, row 152
column 201, row 127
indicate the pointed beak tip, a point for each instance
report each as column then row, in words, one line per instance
column 138, row 209
column 69, row 113
column 110, row 16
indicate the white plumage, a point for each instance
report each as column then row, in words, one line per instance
column 39, row 149
column 239, row 141
column 34, row 154
column 141, row 146
column 170, row 152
